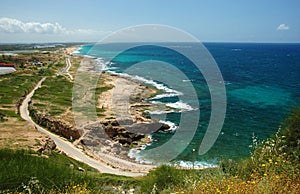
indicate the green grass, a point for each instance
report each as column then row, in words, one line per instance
column 54, row 97
column 24, row 168
column 19, row 167
column 8, row 113
column 40, row 105
column 56, row 91
column 101, row 89
column 14, row 86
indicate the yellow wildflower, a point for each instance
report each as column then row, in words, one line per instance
column 270, row 161
column 263, row 165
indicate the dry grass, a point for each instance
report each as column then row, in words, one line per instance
column 17, row 134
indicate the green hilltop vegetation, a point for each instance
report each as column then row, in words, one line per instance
column 272, row 167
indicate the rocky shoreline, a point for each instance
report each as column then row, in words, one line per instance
column 129, row 127
column 123, row 124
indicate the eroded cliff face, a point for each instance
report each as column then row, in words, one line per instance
column 57, row 126
column 126, row 131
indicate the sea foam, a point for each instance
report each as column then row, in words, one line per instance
column 180, row 105
column 137, row 156
column 193, row 165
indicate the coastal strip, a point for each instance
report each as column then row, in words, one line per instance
column 122, row 124
column 72, row 151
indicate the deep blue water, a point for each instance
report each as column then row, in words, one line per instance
column 262, row 84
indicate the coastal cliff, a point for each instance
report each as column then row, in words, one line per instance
column 56, row 126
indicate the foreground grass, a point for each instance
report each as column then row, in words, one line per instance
column 25, row 171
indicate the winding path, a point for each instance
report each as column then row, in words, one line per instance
column 68, row 147
column 66, row 70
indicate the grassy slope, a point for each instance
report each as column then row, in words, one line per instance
column 20, row 169
column 54, row 96
column 12, row 88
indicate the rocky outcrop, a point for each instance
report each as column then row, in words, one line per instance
column 56, row 126
column 123, row 131
column 48, row 147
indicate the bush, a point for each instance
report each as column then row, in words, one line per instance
column 164, row 177
column 291, row 136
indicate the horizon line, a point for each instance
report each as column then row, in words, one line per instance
column 94, row 42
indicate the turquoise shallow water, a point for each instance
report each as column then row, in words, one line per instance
column 262, row 84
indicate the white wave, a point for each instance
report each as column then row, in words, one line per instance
column 172, row 125
column 191, row 165
column 180, row 105
column 160, row 112
column 90, row 56
column 135, row 154
column 169, row 92
column 167, row 95
column 236, row 49
column 158, row 85
column 102, row 65
column 77, row 51
column 225, row 82
column 187, row 80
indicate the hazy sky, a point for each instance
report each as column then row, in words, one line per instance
column 208, row 20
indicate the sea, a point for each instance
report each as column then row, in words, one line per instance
column 262, row 82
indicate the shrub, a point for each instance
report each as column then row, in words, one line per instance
column 164, row 177
column 291, row 136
